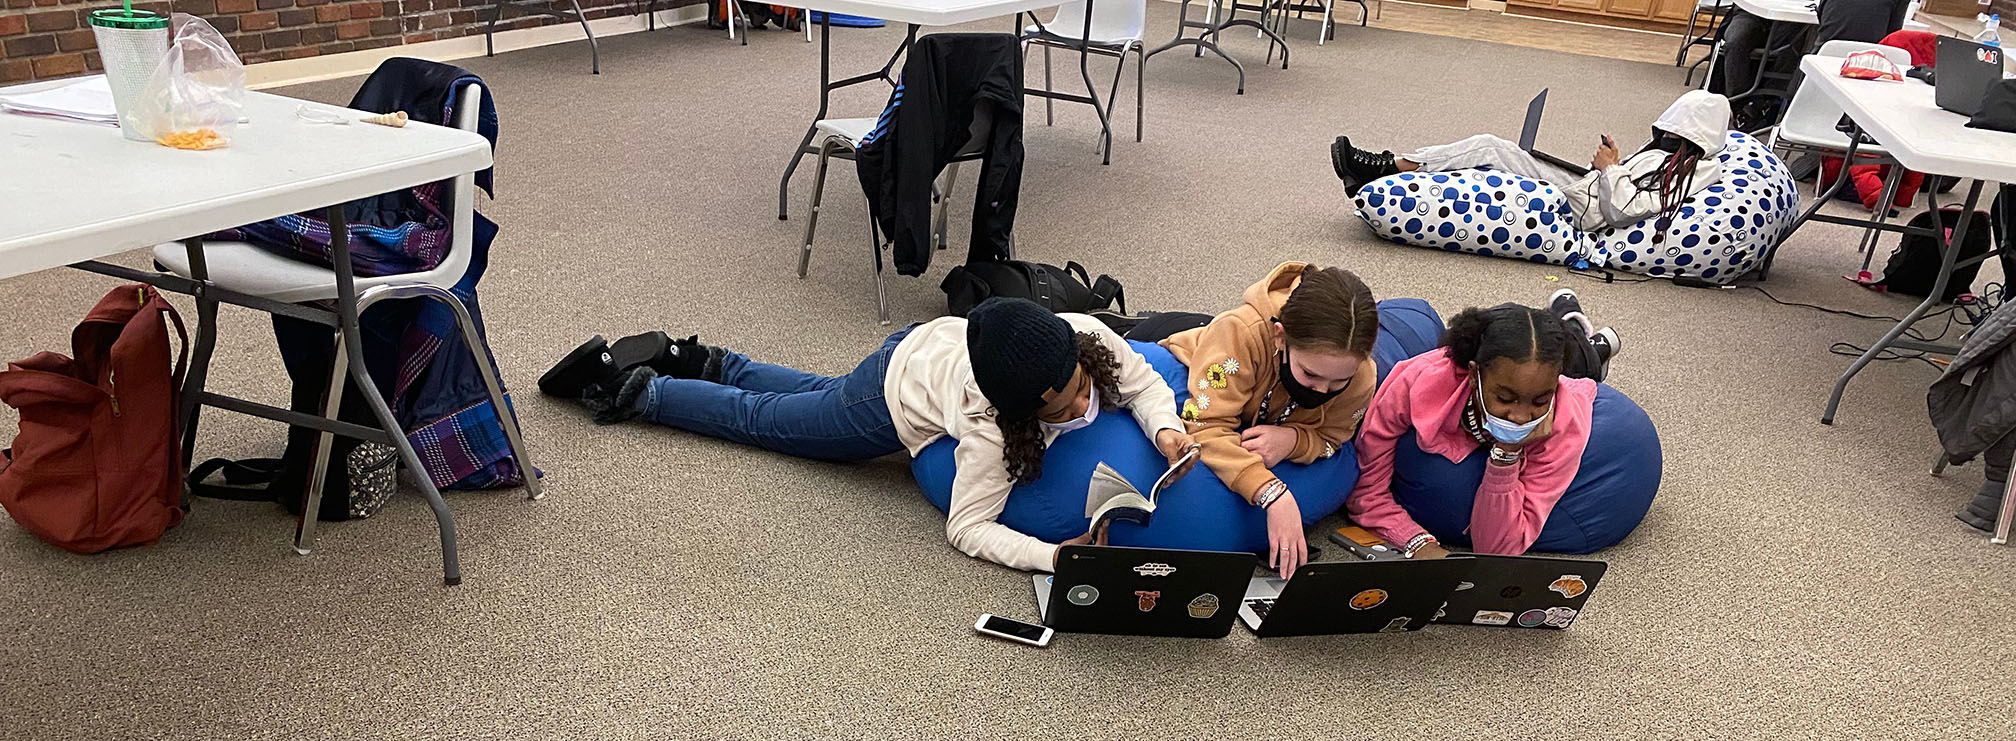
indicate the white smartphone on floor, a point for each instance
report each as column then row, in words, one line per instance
column 1013, row 630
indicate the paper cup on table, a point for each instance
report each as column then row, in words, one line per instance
column 131, row 43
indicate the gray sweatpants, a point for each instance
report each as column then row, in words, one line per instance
column 1485, row 149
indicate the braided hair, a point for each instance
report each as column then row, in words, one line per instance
column 1673, row 180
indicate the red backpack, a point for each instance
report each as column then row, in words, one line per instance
column 97, row 462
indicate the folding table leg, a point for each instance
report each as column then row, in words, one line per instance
column 318, row 470
column 353, row 345
column 2005, row 518
column 1949, row 251
column 1871, row 235
column 205, row 345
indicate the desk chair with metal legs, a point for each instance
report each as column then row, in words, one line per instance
column 841, row 138
column 1117, row 28
column 1707, row 16
column 250, row 270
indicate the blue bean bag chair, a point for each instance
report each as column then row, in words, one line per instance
column 1722, row 232
column 1198, row 512
column 1610, row 494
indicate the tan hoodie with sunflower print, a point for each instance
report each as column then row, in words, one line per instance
column 1235, row 370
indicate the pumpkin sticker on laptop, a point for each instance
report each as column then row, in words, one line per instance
column 1368, row 599
column 1569, row 585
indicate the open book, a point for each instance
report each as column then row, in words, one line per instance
column 1110, row 496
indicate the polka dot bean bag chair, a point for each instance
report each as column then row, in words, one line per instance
column 1722, row 232
column 1198, row 512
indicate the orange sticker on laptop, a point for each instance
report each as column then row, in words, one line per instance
column 1368, row 599
column 1569, row 585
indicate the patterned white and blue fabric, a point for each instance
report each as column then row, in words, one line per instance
column 1722, row 232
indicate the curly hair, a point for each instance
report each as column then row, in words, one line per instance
column 1331, row 309
column 1510, row 331
column 1022, row 441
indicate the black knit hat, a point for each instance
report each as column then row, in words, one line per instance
column 1019, row 351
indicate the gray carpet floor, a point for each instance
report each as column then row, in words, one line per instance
column 1793, row 579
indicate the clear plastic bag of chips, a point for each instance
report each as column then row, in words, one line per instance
column 196, row 96
column 1869, row 65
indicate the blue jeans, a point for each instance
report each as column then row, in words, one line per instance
column 785, row 410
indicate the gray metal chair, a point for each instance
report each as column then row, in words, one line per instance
column 248, row 269
column 1117, row 28
column 841, row 138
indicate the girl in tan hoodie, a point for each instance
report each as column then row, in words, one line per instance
column 1284, row 377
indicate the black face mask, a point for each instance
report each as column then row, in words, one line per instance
column 1667, row 141
column 1303, row 396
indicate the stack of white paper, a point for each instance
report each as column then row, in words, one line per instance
column 88, row 100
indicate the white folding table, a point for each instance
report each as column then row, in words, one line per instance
column 1774, row 12
column 916, row 13
column 76, row 192
column 1901, row 116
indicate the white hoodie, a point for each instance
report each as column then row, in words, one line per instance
column 1610, row 197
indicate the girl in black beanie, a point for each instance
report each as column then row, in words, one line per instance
column 1004, row 381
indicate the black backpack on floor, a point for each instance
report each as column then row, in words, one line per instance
column 1914, row 265
column 1066, row 289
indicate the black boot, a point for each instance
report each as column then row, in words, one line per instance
column 616, row 402
column 688, row 358
column 589, row 364
column 1980, row 513
column 1356, row 167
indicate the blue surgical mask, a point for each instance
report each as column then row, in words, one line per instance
column 1503, row 430
column 1091, row 413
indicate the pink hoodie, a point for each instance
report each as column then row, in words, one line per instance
column 1426, row 394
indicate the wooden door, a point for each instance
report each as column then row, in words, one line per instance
column 1581, row 4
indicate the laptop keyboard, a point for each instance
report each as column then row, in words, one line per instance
column 1261, row 606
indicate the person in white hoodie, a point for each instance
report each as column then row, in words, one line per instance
column 1679, row 162
column 1005, row 381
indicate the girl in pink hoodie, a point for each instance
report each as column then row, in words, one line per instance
column 1494, row 388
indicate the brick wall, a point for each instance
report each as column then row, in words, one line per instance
column 42, row 39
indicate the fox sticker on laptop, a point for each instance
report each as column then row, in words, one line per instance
column 1569, row 585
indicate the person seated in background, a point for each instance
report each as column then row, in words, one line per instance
column 1678, row 162
column 1285, row 376
column 1005, row 381
column 1744, row 34
column 1508, row 379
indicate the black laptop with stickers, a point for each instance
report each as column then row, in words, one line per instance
column 1351, row 597
column 1522, row 592
column 1143, row 591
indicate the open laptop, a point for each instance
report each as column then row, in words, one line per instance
column 1966, row 70
column 1530, row 133
column 1351, row 597
column 1522, row 592
column 1143, row 591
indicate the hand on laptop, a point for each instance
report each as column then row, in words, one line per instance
column 1287, row 546
column 1606, row 154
